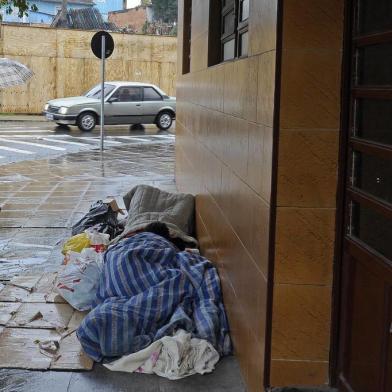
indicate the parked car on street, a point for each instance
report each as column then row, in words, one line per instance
column 125, row 103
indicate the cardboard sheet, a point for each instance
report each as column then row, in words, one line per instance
column 7, row 310
column 43, row 297
column 13, row 294
column 46, row 283
column 33, row 314
column 42, row 315
column 72, row 355
column 19, row 350
column 27, row 282
column 76, row 319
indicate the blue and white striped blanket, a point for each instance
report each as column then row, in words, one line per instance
column 149, row 290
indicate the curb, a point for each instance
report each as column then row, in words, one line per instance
column 21, row 119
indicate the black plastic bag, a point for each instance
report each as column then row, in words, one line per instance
column 101, row 217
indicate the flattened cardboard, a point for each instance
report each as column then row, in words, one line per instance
column 18, row 349
column 27, row 282
column 76, row 319
column 113, row 205
column 13, row 294
column 46, row 283
column 7, row 310
column 53, row 298
column 71, row 355
column 53, row 316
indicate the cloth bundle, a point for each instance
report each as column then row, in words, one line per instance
column 172, row 357
column 149, row 290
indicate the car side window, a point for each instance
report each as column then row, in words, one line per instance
column 150, row 94
column 128, row 94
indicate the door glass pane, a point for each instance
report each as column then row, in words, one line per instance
column 374, row 120
column 244, row 44
column 374, row 16
column 229, row 23
column 244, row 12
column 151, row 95
column 373, row 175
column 373, row 228
column 375, row 65
column 229, row 50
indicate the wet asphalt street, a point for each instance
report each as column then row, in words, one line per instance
column 48, row 179
column 21, row 141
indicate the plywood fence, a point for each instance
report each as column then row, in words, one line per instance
column 65, row 66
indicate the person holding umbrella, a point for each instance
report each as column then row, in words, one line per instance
column 13, row 73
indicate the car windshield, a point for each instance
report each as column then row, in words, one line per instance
column 96, row 91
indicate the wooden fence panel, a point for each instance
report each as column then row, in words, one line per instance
column 64, row 65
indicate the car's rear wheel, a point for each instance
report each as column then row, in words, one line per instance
column 164, row 120
column 87, row 121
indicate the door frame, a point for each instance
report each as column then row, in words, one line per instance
column 341, row 278
column 339, row 287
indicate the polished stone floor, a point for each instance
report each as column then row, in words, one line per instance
column 40, row 200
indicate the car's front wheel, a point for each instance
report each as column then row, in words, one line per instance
column 164, row 120
column 87, row 122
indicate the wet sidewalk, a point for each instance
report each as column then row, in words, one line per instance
column 41, row 200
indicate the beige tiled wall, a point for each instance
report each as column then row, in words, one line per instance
column 224, row 156
column 306, row 191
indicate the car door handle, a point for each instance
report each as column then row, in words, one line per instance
column 138, row 104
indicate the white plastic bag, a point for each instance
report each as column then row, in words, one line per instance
column 78, row 282
column 99, row 241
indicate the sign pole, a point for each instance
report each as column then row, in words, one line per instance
column 103, row 50
column 102, row 45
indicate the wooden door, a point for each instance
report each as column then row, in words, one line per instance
column 365, row 349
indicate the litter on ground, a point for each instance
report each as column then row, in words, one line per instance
column 133, row 293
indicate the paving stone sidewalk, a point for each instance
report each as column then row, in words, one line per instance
column 40, row 201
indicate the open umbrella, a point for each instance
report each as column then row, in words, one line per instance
column 13, row 73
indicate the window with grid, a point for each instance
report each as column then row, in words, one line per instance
column 228, row 30
column 234, row 29
column 186, row 49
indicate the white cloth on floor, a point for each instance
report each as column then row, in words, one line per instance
column 172, row 357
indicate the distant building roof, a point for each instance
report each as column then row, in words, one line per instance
column 83, row 19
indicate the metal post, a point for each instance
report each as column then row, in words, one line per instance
column 103, row 52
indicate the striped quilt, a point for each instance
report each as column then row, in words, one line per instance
column 149, row 290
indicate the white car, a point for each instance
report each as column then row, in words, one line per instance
column 125, row 103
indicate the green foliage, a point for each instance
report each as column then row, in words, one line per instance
column 23, row 6
column 165, row 10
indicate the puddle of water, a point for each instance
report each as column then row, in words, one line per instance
column 16, row 258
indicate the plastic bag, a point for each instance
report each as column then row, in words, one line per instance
column 98, row 241
column 76, row 243
column 100, row 216
column 79, row 281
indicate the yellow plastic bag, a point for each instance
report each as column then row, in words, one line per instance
column 76, row 243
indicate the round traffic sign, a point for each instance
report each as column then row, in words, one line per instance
column 96, row 44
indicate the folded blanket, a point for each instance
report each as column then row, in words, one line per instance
column 149, row 290
column 146, row 204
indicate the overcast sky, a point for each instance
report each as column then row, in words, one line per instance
column 133, row 3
